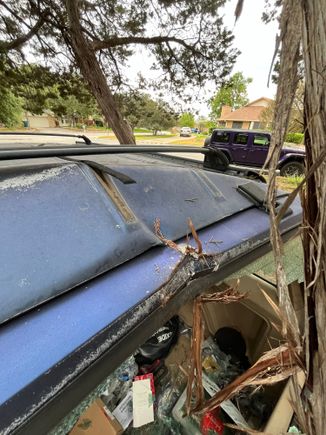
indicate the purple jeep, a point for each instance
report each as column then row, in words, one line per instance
column 250, row 148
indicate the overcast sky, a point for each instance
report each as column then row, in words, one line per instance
column 256, row 41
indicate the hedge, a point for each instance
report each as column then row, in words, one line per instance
column 294, row 138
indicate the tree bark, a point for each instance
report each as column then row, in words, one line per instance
column 303, row 23
column 290, row 36
column 89, row 66
column 314, row 201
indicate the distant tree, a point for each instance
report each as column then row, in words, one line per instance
column 132, row 106
column 73, row 108
column 233, row 93
column 187, row 119
column 10, row 109
column 10, row 105
column 33, row 84
column 186, row 39
column 205, row 125
column 40, row 88
column 140, row 110
column 157, row 116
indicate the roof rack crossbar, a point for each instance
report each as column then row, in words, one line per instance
column 27, row 133
column 25, row 153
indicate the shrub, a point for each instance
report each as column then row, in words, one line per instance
column 294, row 138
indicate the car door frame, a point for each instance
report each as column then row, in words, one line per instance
column 257, row 154
column 239, row 151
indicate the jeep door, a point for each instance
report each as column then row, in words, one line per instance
column 258, row 149
column 239, row 147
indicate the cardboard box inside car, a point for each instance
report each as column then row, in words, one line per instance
column 97, row 420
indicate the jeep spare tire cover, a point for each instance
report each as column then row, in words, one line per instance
column 159, row 344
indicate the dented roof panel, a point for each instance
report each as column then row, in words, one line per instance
column 58, row 228
column 63, row 223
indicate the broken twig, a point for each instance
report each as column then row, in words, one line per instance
column 185, row 250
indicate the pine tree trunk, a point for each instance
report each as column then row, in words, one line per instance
column 314, row 54
column 93, row 74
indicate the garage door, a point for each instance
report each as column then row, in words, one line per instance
column 38, row 121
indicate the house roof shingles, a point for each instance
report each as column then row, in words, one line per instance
column 250, row 112
column 247, row 113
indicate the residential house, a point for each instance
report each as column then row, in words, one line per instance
column 44, row 120
column 246, row 117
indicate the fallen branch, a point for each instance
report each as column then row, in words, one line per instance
column 274, row 366
column 195, row 236
column 224, row 297
column 167, row 242
column 227, row 296
column 196, row 370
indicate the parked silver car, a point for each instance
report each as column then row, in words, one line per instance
column 185, row 131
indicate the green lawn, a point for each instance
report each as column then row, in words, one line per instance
column 288, row 183
column 142, row 130
column 197, row 140
column 153, row 137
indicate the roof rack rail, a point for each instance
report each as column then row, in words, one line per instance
column 25, row 133
column 23, row 153
column 214, row 159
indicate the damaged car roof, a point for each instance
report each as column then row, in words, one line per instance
column 62, row 223
column 84, row 275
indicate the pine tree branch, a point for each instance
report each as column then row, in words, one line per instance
column 21, row 40
column 119, row 41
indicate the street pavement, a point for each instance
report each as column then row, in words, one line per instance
column 19, row 141
column 16, row 140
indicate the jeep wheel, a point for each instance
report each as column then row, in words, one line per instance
column 292, row 169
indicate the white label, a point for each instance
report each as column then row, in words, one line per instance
column 142, row 398
column 164, row 337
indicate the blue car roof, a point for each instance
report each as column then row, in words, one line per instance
column 85, row 279
column 61, row 226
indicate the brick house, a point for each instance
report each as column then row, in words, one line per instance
column 246, row 117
